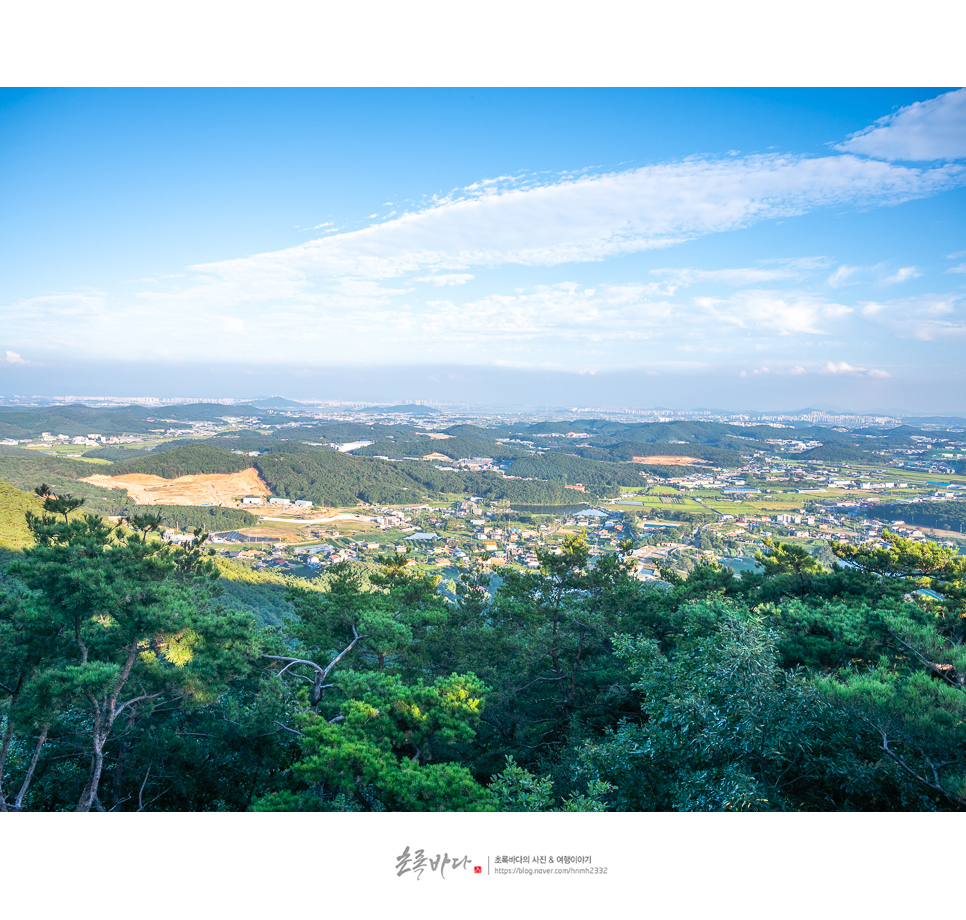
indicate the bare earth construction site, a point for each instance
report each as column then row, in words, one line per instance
column 200, row 489
column 670, row 460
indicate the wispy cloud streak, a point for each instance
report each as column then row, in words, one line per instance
column 593, row 217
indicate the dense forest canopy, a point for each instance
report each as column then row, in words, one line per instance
column 836, row 453
column 941, row 515
column 186, row 460
column 76, row 419
column 26, row 469
column 79, row 420
column 456, row 448
column 328, row 477
column 187, row 518
column 14, row 505
column 131, row 680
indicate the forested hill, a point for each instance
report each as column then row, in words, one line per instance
column 543, row 458
column 604, row 433
column 722, row 445
column 404, row 409
column 73, row 421
column 14, row 504
column 834, row 453
column 27, row 469
column 600, row 477
column 475, row 431
column 327, row 477
column 187, row 460
column 78, row 420
column 941, row 515
column 607, row 434
column 331, row 478
column 115, row 454
column 628, row 450
column 186, row 518
column 341, row 432
column 202, row 412
column 455, row 448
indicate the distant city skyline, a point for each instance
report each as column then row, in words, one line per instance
column 742, row 249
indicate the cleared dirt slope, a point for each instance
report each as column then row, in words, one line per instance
column 660, row 459
column 201, row 489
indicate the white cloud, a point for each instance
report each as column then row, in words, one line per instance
column 843, row 367
column 931, row 130
column 927, row 317
column 903, row 274
column 569, row 318
column 842, row 274
column 594, row 217
column 13, row 358
column 957, row 269
column 794, row 371
column 938, row 330
column 920, row 317
column 54, row 305
column 440, row 280
column 561, row 324
column 233, row 325
column 64, row 321
column 846, row 275
column 782, row 312
column 784, row 270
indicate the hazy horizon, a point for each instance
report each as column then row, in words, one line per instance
column 496, row 387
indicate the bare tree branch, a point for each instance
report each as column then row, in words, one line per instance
column 933, row 667
column 321, row 673
column 936, row 787
column 141, row 790
column 136, row 699
column 158, row 796
column 18, row 802
column 292, row 661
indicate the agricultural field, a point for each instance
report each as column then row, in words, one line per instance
column 67, row 450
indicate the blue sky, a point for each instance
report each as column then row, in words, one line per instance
column 724, row 248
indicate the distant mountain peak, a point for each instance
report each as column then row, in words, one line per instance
column 276, row 402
